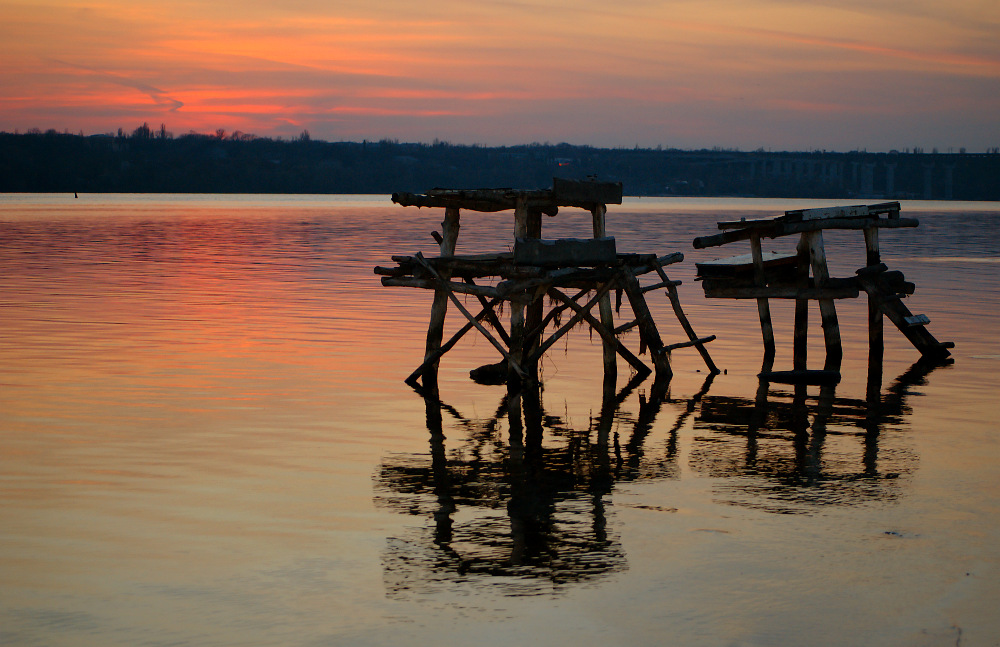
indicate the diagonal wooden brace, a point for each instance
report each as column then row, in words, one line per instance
column 468, row 315
column 605, row 334
column 577, row 318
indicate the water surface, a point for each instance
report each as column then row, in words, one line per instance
column 207, row 440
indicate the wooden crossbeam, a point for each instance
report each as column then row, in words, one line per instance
column 445, row 287
column 577, row 318
column 675, row 304
column 605, row 334
column 435, row 355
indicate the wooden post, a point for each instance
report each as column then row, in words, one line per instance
column 521, row 228
column 827, row 309
column 533, row 316
column 647, row 327
column 675, row 303
column 876, row 344
column 435, row 330
column 763, row 308
column 800, row 334
column 599, row 212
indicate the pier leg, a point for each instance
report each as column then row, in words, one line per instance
column 876, row 344
column 763, row 307
column 599, row 212
column 517, row 305
column 646, row 325
column 534, row 314
column 827, row 309
column 800, row 335
column 435, row 330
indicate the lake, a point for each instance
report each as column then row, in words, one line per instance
column 207, row 440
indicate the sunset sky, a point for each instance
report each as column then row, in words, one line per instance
column 783, row 75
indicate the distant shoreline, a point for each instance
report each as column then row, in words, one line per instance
column 64, row 163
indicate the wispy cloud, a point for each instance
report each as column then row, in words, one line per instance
column 158, row 96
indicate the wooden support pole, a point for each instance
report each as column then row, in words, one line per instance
column 675, row 303
column 439, row 308
column 763, row 308
column 800, row 333
column 827, row 309
column 517, row 306
column 535, row 309
column 599, row 213
column 646, row 325
column 876, row 344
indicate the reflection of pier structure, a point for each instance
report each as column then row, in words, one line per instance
column 529, row 508
column 789, row 451
column 787, row 276
column 566, row 271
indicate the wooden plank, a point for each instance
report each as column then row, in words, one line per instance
column 743, row 263
column 576, row 192
column 687, row 344
column 661, row 285
column 715, row 291
column 917, row 320
column 562, row 252
column 827, row 213
column 438, row 284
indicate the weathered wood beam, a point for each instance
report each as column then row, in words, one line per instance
column 780, row 228
column 448, row 345
column 605, row 334
column 514, row 365
column 716, row 291
column 437, row 284
column 675, row 303
column 827, row 309
column 579, row 316
column 686, row 344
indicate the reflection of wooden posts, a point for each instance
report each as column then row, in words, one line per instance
column 534, row 269
column 764, row 277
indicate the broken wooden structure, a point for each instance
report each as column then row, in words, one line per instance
column 566, row 271
column 763, row 276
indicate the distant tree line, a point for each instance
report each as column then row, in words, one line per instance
column 148, row 160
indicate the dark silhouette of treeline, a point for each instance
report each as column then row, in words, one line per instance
column 148, row 161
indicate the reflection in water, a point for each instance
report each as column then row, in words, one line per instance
column 790, row 452
column 530, row 511
column 532, row 516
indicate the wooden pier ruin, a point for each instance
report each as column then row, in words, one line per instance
column 576, row 275
column 762, row 276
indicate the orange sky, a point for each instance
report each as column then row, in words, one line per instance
column 837, row 74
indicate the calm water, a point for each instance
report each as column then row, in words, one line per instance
column 206, row 440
